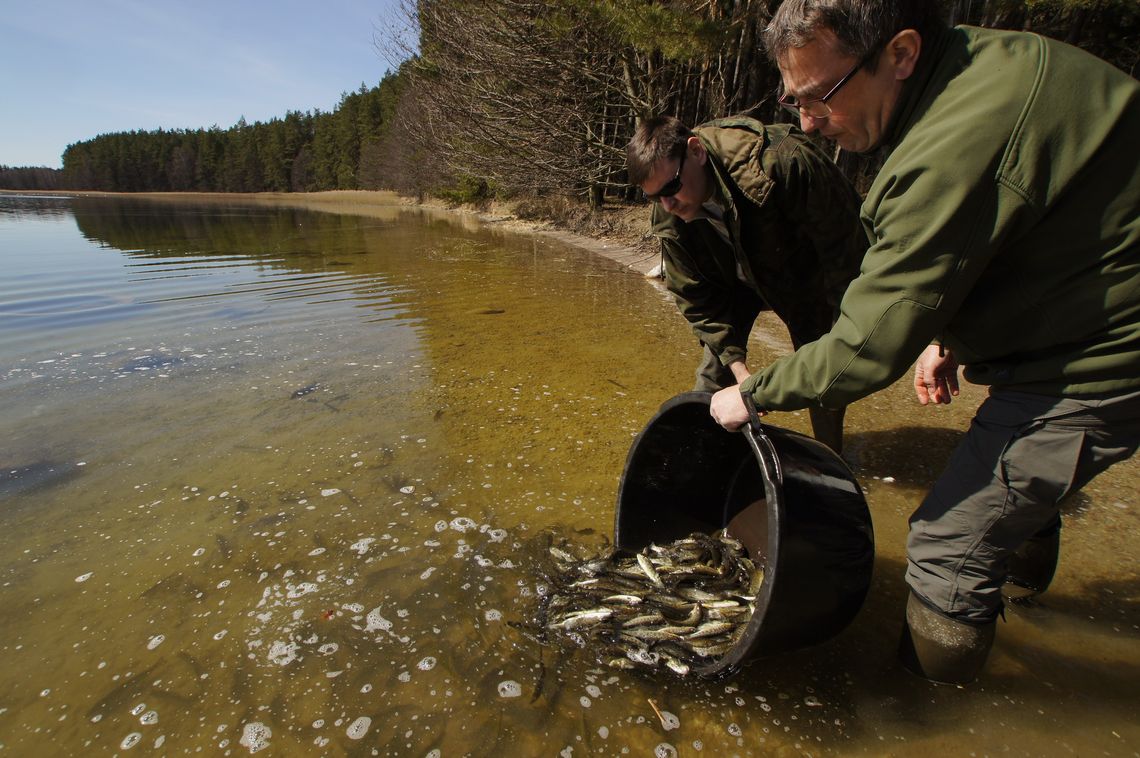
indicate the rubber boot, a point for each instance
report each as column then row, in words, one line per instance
column 1032, row 565
column 827, row 427
column 942, row 649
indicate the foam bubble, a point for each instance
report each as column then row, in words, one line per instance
column 408, row 489
column 357, row 729
column 665, row 750
column 130, row 740
column 316, row 551
column 84, row 577
column 463, row 524
column 492, row 615
column 138, row 709
column 148, row 718
column 329, row 492
column 669, row 720
column 282, row 653
column 223, row 584
column 221, row 634
column 585, row 702
column 427, row 663
column 155, row 641
column 374, row 621
column 199, row 552
column 328, row 648
column 255, row 736
column 427, row 572
column 360, row 547
column 509, row 688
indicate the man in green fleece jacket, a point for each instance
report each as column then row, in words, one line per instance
column 1005, row 238
column 750, row 217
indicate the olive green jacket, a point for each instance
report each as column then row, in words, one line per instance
column 794, row 223
column 1005, row 222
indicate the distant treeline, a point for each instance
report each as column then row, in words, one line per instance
column 302, row 152
column 525, row 98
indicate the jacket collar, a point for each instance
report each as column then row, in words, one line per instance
column 913, row 100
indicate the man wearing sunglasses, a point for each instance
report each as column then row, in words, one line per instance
column 1005, row 227
column 750, row 217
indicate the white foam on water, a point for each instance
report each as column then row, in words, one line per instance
column 328, row 648
column 223, row 584
column 374, row 621
column 366, row 689
column 160, row 741
column 497, row 535
column 665, row 750
column 295, row 591
column 221, row 634
column 463, row 524
column 148, row 718
column 282, row 653
column 329, row 492
column 585, row 702
column 408, row 489
column 441, row 526
column 492, row 615
column 155, row 641
column 318, row 723
column 138, row 709
column 130, row 740
column 433, row 753
column 698, row 745
column 405, row 676
column 669, row 720
column 357, row 729
column 255, row 736
column 593, row 690
column 199, row 552
column 603, row 732
column 509, row 688
column 360, row 547
column 427, row 663
column 428, row 572
column 84, row 577
column 735, row 730
column 316, row 551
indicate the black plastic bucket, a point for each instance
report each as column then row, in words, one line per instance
column 810, row 530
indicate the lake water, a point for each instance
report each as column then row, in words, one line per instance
column 278, row 479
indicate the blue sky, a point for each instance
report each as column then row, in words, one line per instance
column 74, row 69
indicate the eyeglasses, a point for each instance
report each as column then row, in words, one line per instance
column 818, row 107
column 671, row 187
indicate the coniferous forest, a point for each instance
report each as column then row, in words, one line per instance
column 519, row 98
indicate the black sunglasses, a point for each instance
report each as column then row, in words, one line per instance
column 671, row 187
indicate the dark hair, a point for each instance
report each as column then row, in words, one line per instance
column 861, row 26
column 656, row 138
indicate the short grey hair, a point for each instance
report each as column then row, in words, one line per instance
column 862, row 27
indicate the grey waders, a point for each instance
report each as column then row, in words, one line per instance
column 940, row 648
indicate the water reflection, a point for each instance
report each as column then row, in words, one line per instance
column 295, row 491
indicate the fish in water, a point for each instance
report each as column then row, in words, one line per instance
column 307, row 389
column 672, row 606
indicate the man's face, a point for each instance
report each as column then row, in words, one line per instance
column 685, row 204
column 861, row 108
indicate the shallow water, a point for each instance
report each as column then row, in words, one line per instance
column 272, row 477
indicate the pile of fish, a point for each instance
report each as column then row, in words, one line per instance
column 676, row 605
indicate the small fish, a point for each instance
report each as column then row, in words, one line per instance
column 647, row 566
column 307, row 389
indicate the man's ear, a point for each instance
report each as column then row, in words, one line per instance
column 696, row 150
column 902, row 52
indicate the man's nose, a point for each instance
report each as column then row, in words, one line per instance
column 809, row 123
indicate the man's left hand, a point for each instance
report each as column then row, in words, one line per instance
column 727, row 408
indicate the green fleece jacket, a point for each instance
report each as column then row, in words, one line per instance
column 795, row 240
column 1005, row 222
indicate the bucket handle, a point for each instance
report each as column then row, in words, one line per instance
column 763, row 448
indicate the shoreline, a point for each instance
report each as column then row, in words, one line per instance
column 619, row 233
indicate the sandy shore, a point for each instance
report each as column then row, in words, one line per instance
column 616, row 232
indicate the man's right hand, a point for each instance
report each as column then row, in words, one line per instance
column 936, row 375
